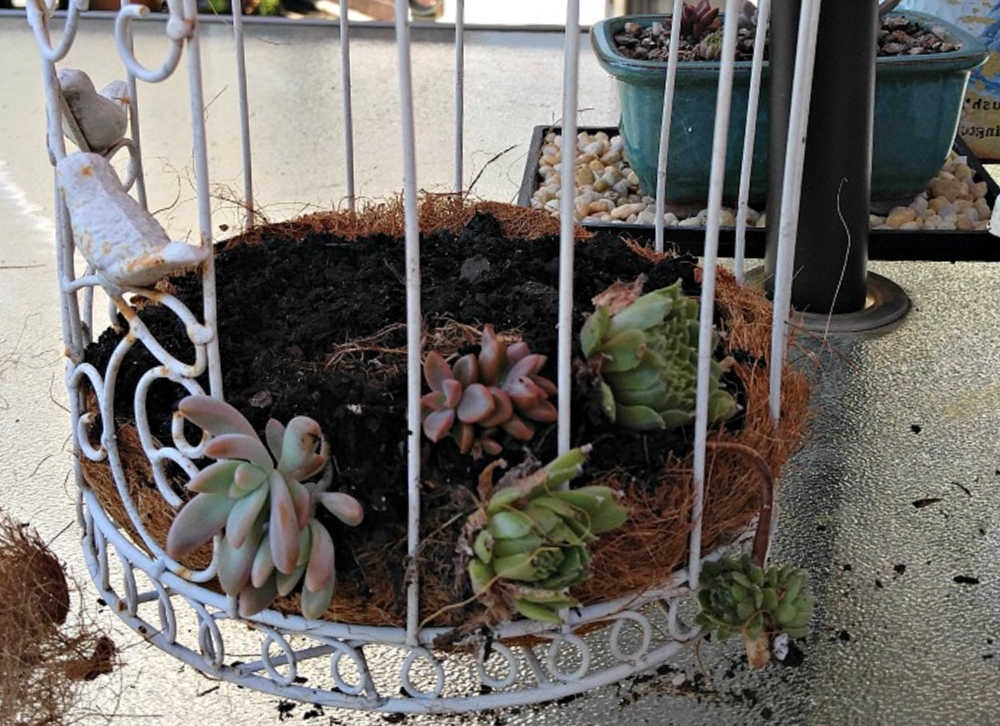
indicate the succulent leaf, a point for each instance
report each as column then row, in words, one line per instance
column 263, row 566
column 320, row 570
column 476, row 404
column 274, row 435
column 316, row 602
column 436, row 371
column 254, row 599
column 240, row 446
column 214, row 478
column 466, row 372
column 283, row 527
column 243, row 516
column 199, row 520
column 343, row 506
column 235, row 563
column 534, row 611
column 246, row 478
column 214, row 416
column 298, row 445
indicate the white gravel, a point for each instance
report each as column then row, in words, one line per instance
column 607, row 191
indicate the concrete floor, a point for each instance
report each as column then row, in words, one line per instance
column 896, row 640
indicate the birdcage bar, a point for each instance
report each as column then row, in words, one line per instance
column 241, row 89
column 345, row 82
column 413, row 317
column 669, row 85
column 567, row 223
column 707, row 308
column 204, row 201
column 749, row 136
column 791, row 193
column 459, row 93
column 133, row 120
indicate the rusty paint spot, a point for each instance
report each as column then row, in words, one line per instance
column 184, row 572
column 121, row 606
column 86, row 171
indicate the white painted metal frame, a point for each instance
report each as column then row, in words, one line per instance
column 643, row 629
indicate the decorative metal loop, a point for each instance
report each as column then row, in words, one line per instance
column 101, row 547
column 213, row 648
column 552, row 656
column 84, row 421
column 509, row 657
column 140, row 332
column 128, row 579
column 157, row 454
column 39, row 12
column 616, row 633
column 404, row 674
column 290, row 660
column 168, row 618
column 677, row 629
column 178, row 29
column 340, row 649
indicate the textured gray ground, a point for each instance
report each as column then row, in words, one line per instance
column 896, row 640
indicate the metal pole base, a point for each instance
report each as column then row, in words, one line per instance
column 886, row 305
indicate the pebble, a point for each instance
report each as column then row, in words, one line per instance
column 607, row 190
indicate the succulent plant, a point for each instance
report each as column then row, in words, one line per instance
column 257, row 495
column 532, row 538
column 738, row 596
column 478, row 396
column 645, row 351
column 697, row 19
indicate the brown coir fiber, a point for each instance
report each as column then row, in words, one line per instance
column 642, row 553
column 43, row 657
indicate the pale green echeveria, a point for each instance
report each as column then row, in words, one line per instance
column 534, row 544
column 647, row 356
column 255, row 493
column 739, row 597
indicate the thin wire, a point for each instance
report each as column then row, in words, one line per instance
column 749, row 136
column 668, row 111
column 567, row 222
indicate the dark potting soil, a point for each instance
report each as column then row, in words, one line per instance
column 896, row 36
column 285, row 304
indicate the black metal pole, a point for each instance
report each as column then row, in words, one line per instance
column 831, row 252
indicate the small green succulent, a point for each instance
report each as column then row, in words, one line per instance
column 257, row 495
column 645, row 352
column 738, row 596
column 532, row 544
column 477, row 397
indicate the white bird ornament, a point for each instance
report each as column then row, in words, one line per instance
column 101, row 117
column 124, row 244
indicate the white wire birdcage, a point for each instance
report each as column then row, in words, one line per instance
column 645, row 628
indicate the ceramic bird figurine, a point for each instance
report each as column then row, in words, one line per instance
column 102, row 118
column 123, row 243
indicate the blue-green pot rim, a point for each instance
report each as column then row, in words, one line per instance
column 971, row 53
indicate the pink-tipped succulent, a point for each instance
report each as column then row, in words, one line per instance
column 257, row 495
column 480, row 396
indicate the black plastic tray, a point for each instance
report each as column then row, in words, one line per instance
column 945, row 245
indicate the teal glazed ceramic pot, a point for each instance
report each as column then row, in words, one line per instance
column 918, row 100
